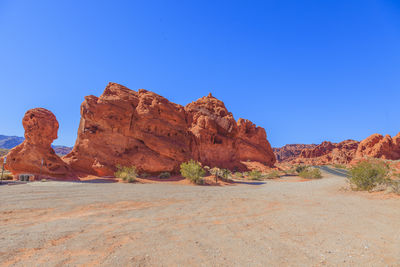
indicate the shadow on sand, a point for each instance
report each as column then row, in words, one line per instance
column 249, row 183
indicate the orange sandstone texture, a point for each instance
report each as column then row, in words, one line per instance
column 378, row 146
column 328, row 153
column 41, row 128
column 146, row 130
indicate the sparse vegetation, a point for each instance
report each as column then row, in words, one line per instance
column 310, row 173
column 164, row 175
column 339, row 166
column 255, row 175
column 300, row 168
column 273, row 174
column 238, row 175
column 393, row 186
column 127, row 174
column 7, row 175
column 193, row 171
column 366, row 175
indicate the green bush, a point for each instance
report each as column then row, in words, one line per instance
column 366, row 175
column 255, row 175
column 193, row 171
column 311, row 173
column 126, row 173
column 238, row 175
column 164, row 175
column 300, row 168
column 273, row 174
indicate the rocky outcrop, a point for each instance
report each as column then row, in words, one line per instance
column 146, row 130
column 221, row 141
column 35, row 155
column 290, row 152
column 379, row 146
column 328, row 153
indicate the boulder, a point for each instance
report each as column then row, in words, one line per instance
column 35, row 154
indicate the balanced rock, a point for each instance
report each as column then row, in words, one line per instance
column 35, row 155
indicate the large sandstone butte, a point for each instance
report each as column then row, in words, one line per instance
column 290, row 152
column 146, row 130
column 379, row 146
column 41, row 128
column 328, row 153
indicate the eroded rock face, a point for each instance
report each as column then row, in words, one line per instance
column 41, row 128
column 148, row 131
column 223, row 142
column 378, row 146
column 129, row 128
column 328, row 153
column 290, row 152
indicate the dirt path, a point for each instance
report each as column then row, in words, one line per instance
column 278, row 223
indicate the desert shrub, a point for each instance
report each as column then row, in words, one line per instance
column 366, row 175
column 300, row 168
column 394, row 186
column 273, row 174
column 7, row 176
column 226, row 174
column 255, row 175
column 126, row 173
column 217, row 172
column 238, row 175
column 164, row 175
column 311, row 173
column 246, row 174
column 193, row 171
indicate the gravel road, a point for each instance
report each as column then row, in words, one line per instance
column 277, row 223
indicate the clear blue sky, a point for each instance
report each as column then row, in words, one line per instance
column 306, row 71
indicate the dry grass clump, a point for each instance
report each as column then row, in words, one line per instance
column 273, row 174
column 255, row 175
column 7, row 175
column 126, row 173
column 310, row 173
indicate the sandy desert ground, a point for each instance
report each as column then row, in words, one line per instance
column 284, row 222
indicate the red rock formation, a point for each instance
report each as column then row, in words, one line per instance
column 290, row 152
column 148, row 131
column 130, row 128
column 223, row 142
column 328, row 153
column 41, row 128
column 378, row 146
